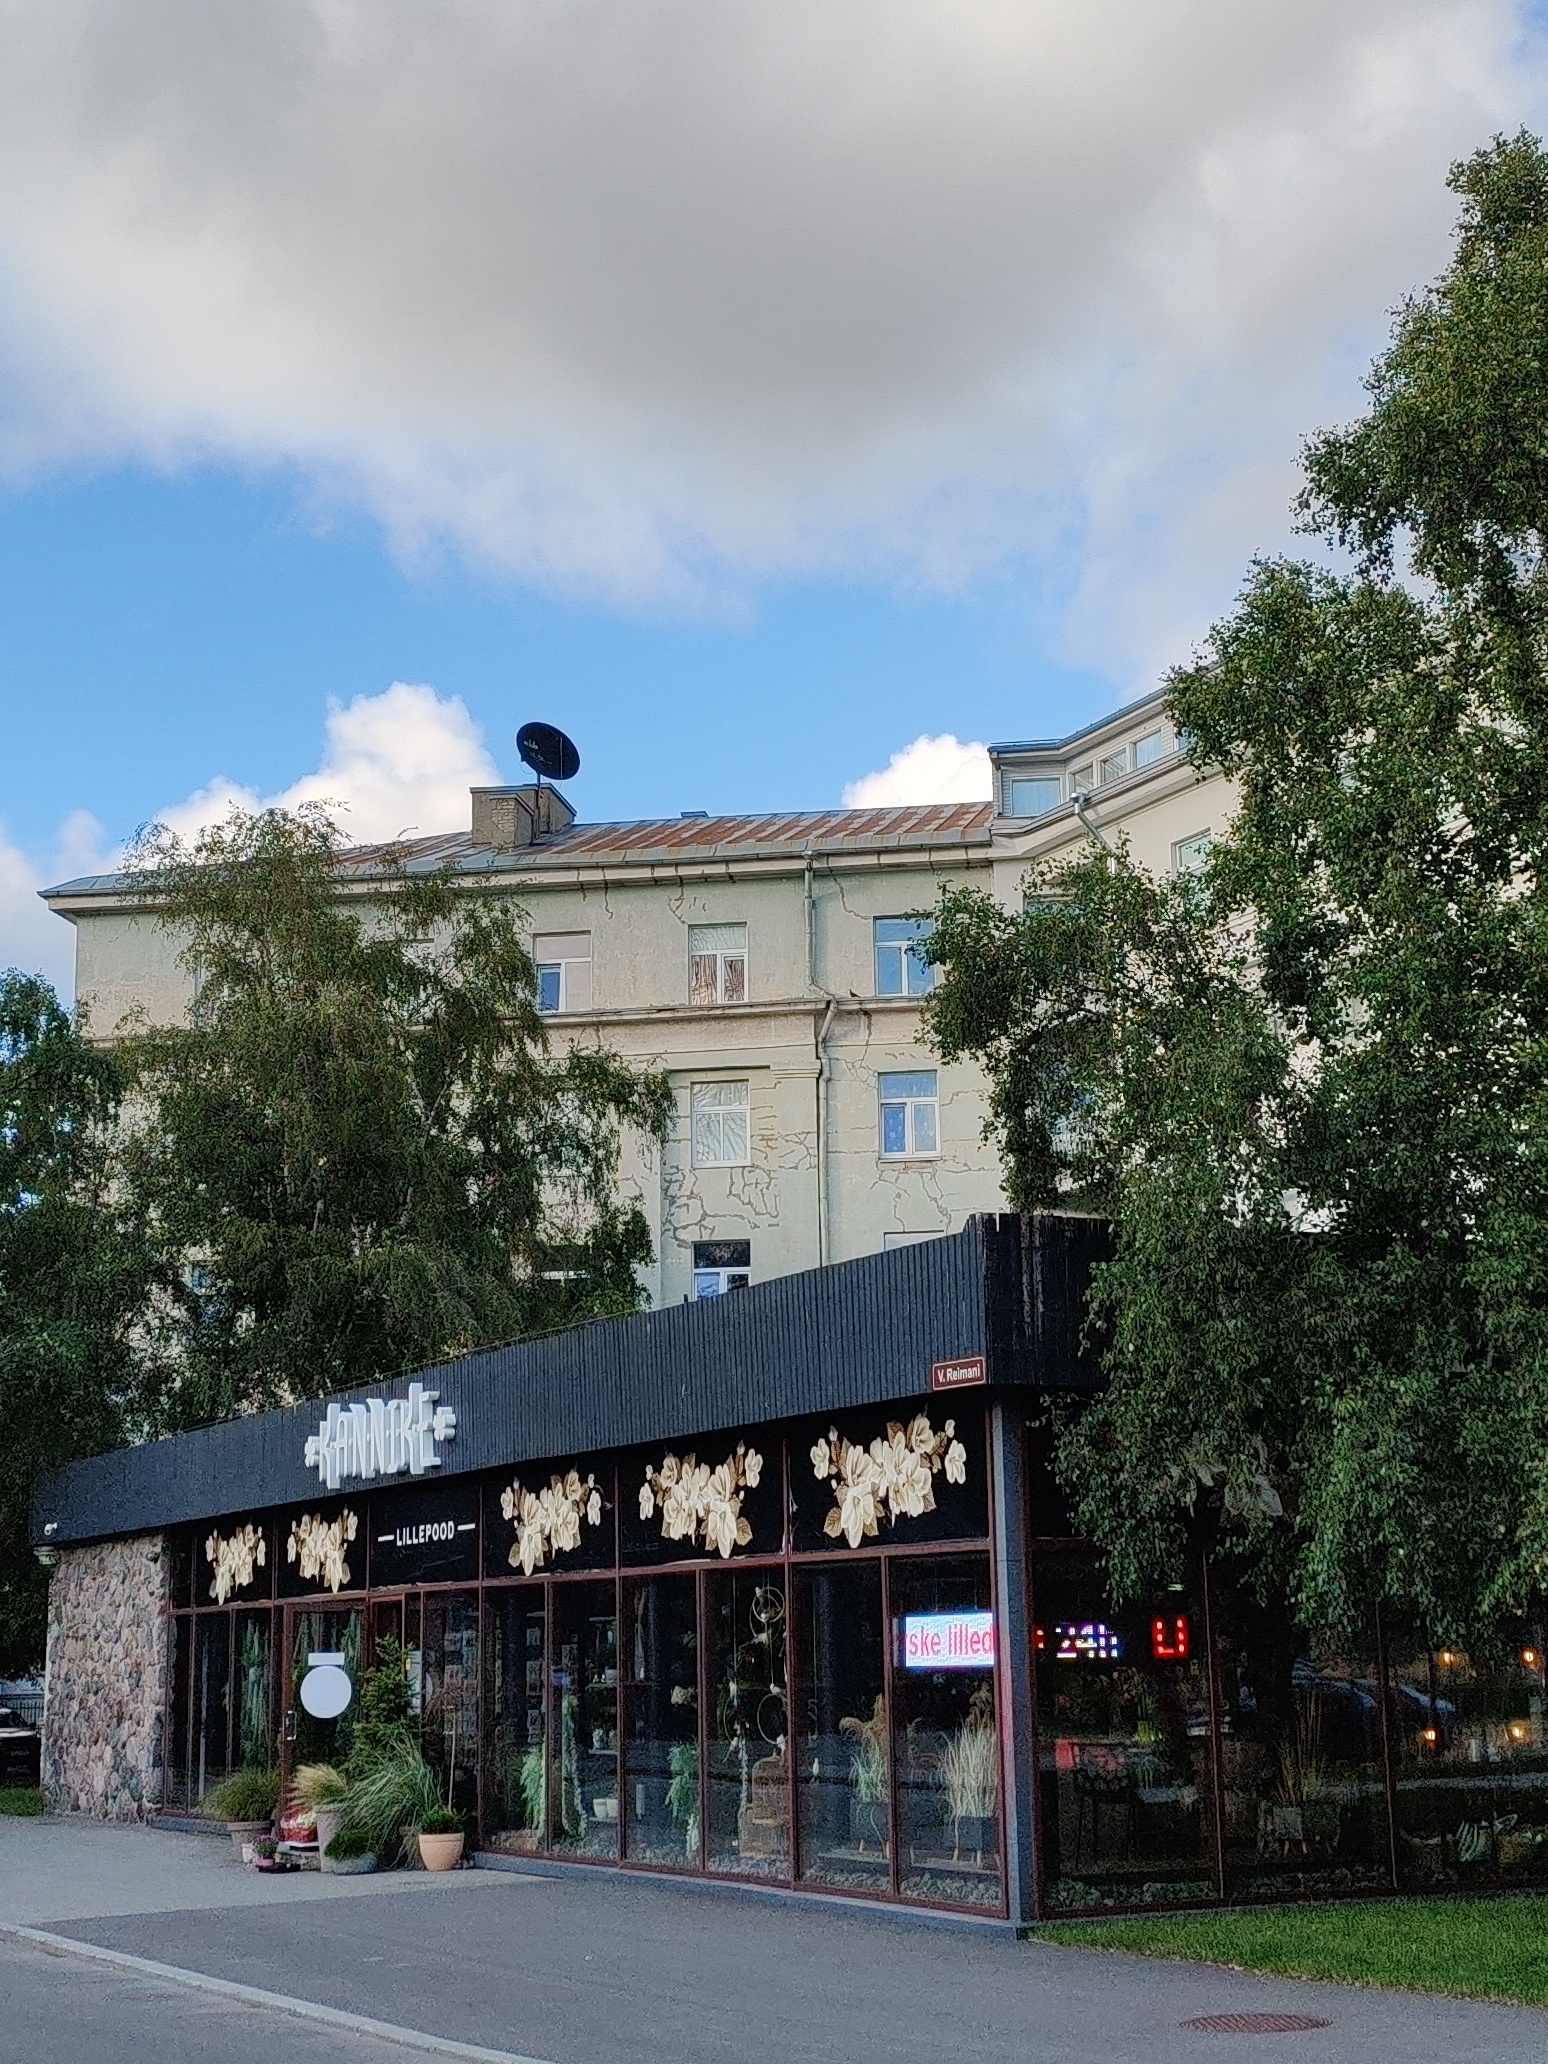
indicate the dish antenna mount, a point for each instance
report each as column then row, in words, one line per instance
column 547, row 751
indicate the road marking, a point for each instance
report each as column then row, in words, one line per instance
column 278, row 2002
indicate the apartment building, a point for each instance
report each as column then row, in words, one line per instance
column 767, row 964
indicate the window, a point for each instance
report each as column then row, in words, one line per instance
column 1149, row 749
column 1190, row 854
column 899, row 969
column 1080, row 780
column 909, row 1108
column 891, row 1242
column 1112, row 766
column 719, row 1124
column 1033, row 795
column 720, row 1265
column 717, row 963
column 563, row 963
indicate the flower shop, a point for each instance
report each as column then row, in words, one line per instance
column 775, row 1587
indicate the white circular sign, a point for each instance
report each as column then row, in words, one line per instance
column 325, row 1692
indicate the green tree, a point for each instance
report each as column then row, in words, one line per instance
column 359, row 1153
column 1311, row 1084
column 72, row 1279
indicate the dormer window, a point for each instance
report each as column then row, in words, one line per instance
column 1149, row 749
column 1112, row 766
column 1034, row 795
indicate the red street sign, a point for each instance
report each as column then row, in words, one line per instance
column 958, row 1375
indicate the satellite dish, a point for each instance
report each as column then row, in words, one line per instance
column 546, row 750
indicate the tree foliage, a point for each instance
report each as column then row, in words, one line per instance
column 72, row 1279
column 359, row 1153
column 1311, row 1083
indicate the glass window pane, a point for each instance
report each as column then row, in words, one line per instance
column 256, row 1692
column 747, row 1791
column 916, row 1082
column 706, row 1283
column 322, row 1632
column 721, row 938
column 889, row 970
column 945, row 1735
column 1080, row 780
column 719, row 1096
column 1112, row 767
column 1125, row 1777
column 733, row 979
column 449, row 1693
column 1149, row 749
column 924, row 1128
column 514, row 1793
column 733, row 1138
column 706, row 1139
column 211, row 1703
column 894, row 1128
column 583, row 1802
column 1033, row 796
column 921, row 975
column 703, row 976
column 899, row 930
column 549, row 981
column 177, row 1720
column 841, row 1756
column 661, row 1708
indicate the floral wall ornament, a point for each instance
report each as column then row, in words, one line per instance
column 319, row 1546
column 548, row 1522
column 893, row 1477
column 700, row 1503
column 234, row 1559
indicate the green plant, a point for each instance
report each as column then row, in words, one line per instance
column 256, row 1747
column 347, row 1844
column 868, row 1758
column 682, row 1793
column 385, row 1722
column 392, row 1798
column 22, row 1802
column 441, row 1820
column 1301, row 1769
column 266, row 1847
column 532, row 1782
column 318, row 1784
column 245, row 1795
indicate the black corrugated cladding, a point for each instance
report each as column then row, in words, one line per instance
column 856, row 1333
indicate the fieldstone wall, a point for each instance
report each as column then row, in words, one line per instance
column 107, row 1679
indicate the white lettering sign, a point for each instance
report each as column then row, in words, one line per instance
column 381, row 1437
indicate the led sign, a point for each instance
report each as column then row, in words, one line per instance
column 948, row 1641
column 1091, row 1641
column 381, row 1437
column 1169, row 1637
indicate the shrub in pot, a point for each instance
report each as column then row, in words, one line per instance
column 348, row 1854
column 320, row 1792
column 389, row 1801
column 440, row 1838
column 246, row 1803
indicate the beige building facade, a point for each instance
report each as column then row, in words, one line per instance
column 764, row 964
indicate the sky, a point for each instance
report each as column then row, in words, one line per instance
column 785, row 401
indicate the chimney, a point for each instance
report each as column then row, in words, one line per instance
column 505, row 819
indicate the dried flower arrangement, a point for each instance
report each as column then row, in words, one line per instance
column 698, row 1502
column 548, row 1522
column 893, row 1476
column 319, row 1545
column 234, row 1559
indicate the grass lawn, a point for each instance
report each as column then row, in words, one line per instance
column 1475, row 1949
column 24, row 1802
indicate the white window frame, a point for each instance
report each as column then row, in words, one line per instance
column 1191, row 853
column 567, row 965
column 1015, row 781
column 1143, row 756
column 716, row 943
column 913, row 1105
column 713, row 1108
column 714, row 1279
column 907, row 956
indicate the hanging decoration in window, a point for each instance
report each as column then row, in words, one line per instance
column 319, row 1545
column 548, row 1522
column 235, row 1558
column 894, row 1476
column 700, row 1503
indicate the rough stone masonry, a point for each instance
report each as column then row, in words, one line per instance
column 107, row 1667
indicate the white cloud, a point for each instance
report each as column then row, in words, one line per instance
column 31, row 937
column 644, row 301
column 399, row 762
column 931, row 770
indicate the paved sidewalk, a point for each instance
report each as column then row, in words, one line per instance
column 596, row 1970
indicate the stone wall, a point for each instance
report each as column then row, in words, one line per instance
column 107, row 1679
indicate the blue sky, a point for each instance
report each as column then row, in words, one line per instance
column 755, row 393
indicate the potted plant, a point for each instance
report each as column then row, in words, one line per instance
column 246, row 1803
column 682, row 1794
column 868, row 1777
column 266, row 1856
column 440, row 1836
column 970, row 1778
column 348, row 1854
column 319, row 1791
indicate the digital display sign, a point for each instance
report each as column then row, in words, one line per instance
column 1169, row 1637
column 1091, row 1641
column 948, row 1641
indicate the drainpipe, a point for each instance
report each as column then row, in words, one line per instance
column 1086, row 824
column 821, row 1056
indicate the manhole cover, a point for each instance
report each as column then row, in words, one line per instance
column 1255, row 2024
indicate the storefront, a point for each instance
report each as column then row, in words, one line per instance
column 773, row 1589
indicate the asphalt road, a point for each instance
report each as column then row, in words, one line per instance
column 597, row 1970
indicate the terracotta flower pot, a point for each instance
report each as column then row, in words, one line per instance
column 440, row 1852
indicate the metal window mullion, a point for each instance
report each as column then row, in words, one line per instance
column 894, row 1825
